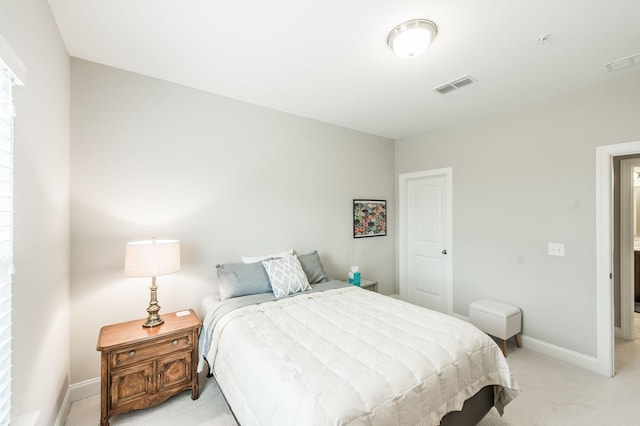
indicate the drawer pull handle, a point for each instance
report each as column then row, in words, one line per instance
column 132, row 353
column 175, row 342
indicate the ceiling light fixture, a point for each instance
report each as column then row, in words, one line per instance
column 411, row 38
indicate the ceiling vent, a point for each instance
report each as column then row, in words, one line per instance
column 623, row 63
column 455, row 84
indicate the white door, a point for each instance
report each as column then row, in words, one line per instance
column 425, row 239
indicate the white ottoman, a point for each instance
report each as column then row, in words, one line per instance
column 497, row 319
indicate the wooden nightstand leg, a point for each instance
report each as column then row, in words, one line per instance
column 104, row 391
column 195, row 392
column 104, row 414
column 195, row 387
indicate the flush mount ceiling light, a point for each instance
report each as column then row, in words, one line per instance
column 411, row 38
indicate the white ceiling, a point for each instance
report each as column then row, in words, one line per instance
column 328, row 60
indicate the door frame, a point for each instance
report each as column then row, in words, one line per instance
column 604, row 253
column 626, row 239
column 403, row 183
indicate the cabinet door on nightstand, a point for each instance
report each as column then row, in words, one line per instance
column 131, row 383
column 174, row 370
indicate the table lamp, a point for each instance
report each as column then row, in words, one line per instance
column 149, row 259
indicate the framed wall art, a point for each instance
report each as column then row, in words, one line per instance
column 369, row 218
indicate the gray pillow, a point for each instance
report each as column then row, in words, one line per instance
column 312, row 267
column 241, row 279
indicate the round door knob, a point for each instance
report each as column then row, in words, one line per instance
column 444, row 251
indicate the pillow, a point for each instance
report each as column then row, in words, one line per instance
column 313, row 268
column 241, row 279
column 286, row 276
column 249, row 259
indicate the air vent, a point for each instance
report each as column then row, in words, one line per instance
column 623, row 63
column 455, row 84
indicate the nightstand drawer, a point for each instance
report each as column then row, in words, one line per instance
column 136, row 353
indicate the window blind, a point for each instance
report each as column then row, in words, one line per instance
column 6, row 238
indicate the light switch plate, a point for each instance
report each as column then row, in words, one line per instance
column 555, row 249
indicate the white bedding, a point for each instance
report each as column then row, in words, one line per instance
column 351, row 357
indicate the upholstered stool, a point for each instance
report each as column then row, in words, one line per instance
column 497, row 319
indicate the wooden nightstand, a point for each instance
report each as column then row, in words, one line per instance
column 142, row 367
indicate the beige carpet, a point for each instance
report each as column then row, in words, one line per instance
column 554, row 393
column 209, row 409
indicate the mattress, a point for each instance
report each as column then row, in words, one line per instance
column 347, row 356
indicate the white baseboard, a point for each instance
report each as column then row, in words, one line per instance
column 82, row 390
column 61, row 419
column 76, row 392
column 573, row 357
column 558, row 352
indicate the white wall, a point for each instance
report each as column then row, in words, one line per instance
column 151, row 158
column 41, row 160
column 521, row 179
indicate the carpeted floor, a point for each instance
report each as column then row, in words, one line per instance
column 209, row 409
column 553, row 393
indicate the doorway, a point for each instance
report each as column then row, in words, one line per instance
column 604, row 252
column 627, row 172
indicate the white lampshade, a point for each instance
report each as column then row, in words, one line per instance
column 152, row 258
column 410, row 39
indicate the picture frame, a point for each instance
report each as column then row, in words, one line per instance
column 369, row 218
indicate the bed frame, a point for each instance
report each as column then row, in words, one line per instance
column 473, row 410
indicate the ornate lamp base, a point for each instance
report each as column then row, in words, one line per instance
column 153, row 319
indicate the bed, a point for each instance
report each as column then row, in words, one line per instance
column 335, row 354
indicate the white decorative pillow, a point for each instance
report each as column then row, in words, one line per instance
column 254, row 259
column 286, row 276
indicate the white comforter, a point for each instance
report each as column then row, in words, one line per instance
column 351, row 357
